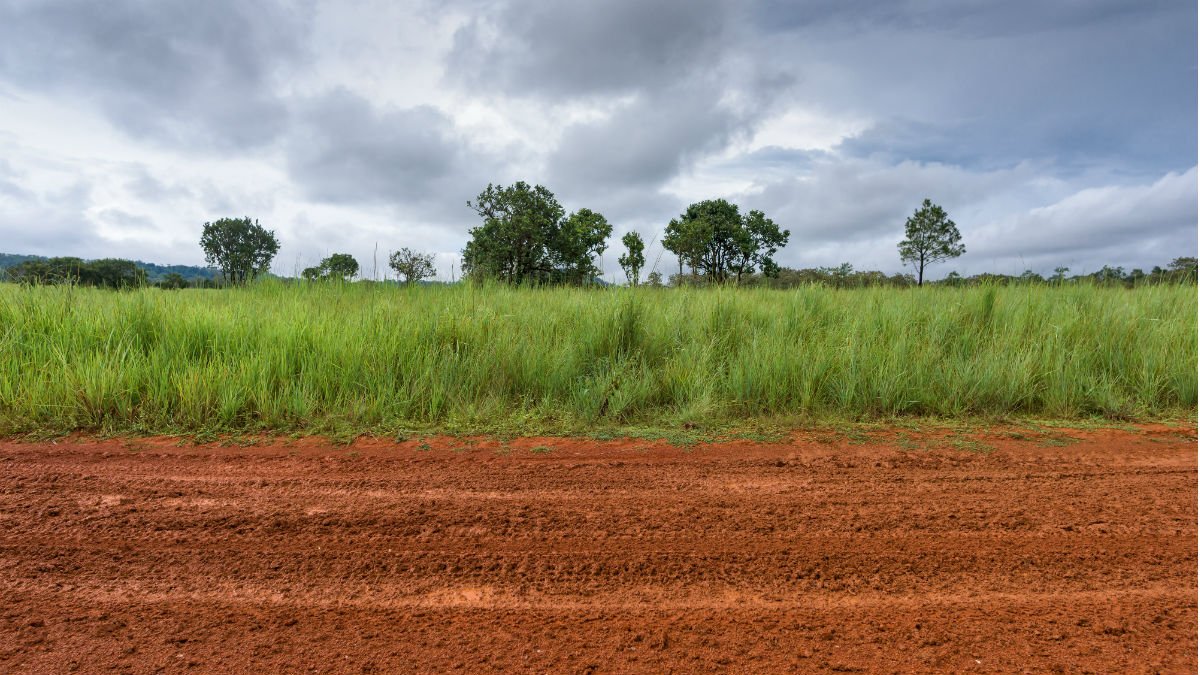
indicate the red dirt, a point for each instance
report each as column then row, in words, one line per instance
column 1008, row 551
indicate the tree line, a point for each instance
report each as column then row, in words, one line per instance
column 527, row 238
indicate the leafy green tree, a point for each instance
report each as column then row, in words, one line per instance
column 717, row 242
column 1184, row 269
column 1060, row 274
column 654, row 279
column 173, row 281
column 411, row 265
column 241, row 248
column 513, row 245
column 580, row 240
column 114, row 273
column 929, row 237
column 688, row 235
column 633, row 259
column 340, row 266
column 1109, row 275
column 38, row 272
column 526, row 239
column 757, row 242
column 104, row 273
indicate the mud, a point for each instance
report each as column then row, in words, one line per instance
column 1006, row 551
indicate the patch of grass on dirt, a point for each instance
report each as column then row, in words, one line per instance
column 966, row 444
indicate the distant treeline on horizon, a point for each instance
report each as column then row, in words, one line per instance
column 122, row 273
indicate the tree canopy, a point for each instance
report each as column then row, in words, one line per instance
column 718, row 243
column 525, row 238
column 241, row 248
column 633, row 259
column 929, row 237
column 411, row 265
column 339, row 267
column 105, row 273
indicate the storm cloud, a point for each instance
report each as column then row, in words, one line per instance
column 1053, row 133
column 172, row 71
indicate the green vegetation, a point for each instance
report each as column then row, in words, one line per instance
column 104, row 273
column 155, row 274
column 242, row 249
column 929, row 237
column 719, row 244
column 633, row 259
column 526, row 238
column 412, row 266
column 337, row 267
column 347, row 358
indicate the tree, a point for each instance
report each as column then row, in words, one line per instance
column 654, row 279
column 173, row 281
column 241, row 248
column 340, row 266
column 1109, row 275
column 633, row 259
column 758, row 240
column 929, row 237
column 1030, row 277
column 579, row 241
column 114, row 273
column 1060, row 274
column 525, row 238
column 1184, row 269
column 105, row 273
column 412, row 266
column 716, row 241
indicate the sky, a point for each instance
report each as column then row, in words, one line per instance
column 1053, row 132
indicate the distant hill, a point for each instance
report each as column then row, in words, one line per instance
column 154, row 271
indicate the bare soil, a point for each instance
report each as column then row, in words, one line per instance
column 1007, row 550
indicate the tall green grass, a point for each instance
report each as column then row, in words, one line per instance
column 347, row 358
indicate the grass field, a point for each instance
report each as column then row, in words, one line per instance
column 338, row 359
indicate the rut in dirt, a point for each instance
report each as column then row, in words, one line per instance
column 1073, row 551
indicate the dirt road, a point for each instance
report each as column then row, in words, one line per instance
column 1005, row 551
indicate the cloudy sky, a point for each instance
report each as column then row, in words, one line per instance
column 1054, row 132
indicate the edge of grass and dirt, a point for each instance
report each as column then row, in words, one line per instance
column 975, row 435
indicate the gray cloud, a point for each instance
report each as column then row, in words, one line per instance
column 346, row 151
column 1080, row 84
column 977, row 18
column 49, row 223
column 1124, row 219
column 1055, row 133
column 576, row 47
column 172, row 71
column 645, row 143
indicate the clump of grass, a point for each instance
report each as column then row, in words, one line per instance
column 345, row 359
